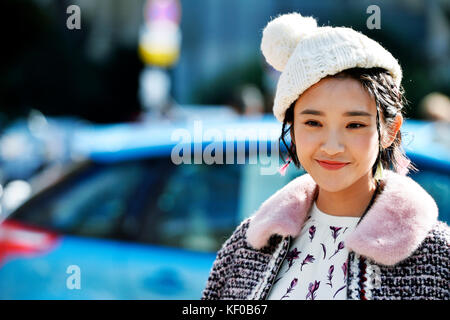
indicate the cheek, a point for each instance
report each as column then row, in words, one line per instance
column 365, row 147
column 303, row 141
column 306, row 144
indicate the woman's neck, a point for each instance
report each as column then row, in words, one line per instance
column 350, row 202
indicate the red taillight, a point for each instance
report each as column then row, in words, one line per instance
column 17, row 239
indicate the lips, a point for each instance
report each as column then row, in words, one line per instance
column 332, row 165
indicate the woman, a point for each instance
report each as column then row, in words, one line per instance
column 354, row 226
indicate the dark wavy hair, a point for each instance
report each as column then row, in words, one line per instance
column 389, row 100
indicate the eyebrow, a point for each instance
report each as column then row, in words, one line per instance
column 346, row 114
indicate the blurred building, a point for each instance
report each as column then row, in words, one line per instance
column 95, row 70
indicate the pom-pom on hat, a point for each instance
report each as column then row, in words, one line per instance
column 305, row 53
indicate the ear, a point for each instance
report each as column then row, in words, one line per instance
column 388, row 139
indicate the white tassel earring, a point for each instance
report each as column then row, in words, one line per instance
column 379, row 174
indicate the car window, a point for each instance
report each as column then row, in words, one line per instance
column 91, row 204
column 195, row 208
column 256, row 186
column 199, row 206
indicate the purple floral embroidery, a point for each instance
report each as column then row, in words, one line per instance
column 291, row 287
column 312, row 231
column 344, row 230
column 330, row 275
column 312, row 290
column 335, row 232
column 340, row 247
column 324, row 251
column 344, row 269
column 291, row 256
column 338, row 291
column 309, row 258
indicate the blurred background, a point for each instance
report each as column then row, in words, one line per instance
column 91, row 92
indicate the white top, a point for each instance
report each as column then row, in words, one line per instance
column 316, row 265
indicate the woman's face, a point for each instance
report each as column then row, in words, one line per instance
column 335, row 121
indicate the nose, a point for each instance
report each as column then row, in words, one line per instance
column 332, row 145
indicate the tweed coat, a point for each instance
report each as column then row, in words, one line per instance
column 399, row 250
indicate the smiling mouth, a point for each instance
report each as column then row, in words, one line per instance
column 332, row 165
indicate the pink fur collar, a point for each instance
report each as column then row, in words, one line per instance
column 391, row 231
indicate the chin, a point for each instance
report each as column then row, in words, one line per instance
column 331, row 186
column 332, row 182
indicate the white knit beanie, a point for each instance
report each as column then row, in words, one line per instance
column 305, row 53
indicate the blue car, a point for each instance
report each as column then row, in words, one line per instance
column 144, row 210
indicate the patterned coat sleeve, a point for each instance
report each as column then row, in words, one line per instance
column 432, row 265
column 438, row 256
column 223, row 264
column 422, row 276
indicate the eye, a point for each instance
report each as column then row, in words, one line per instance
column 312, row 123
column 356, row 125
